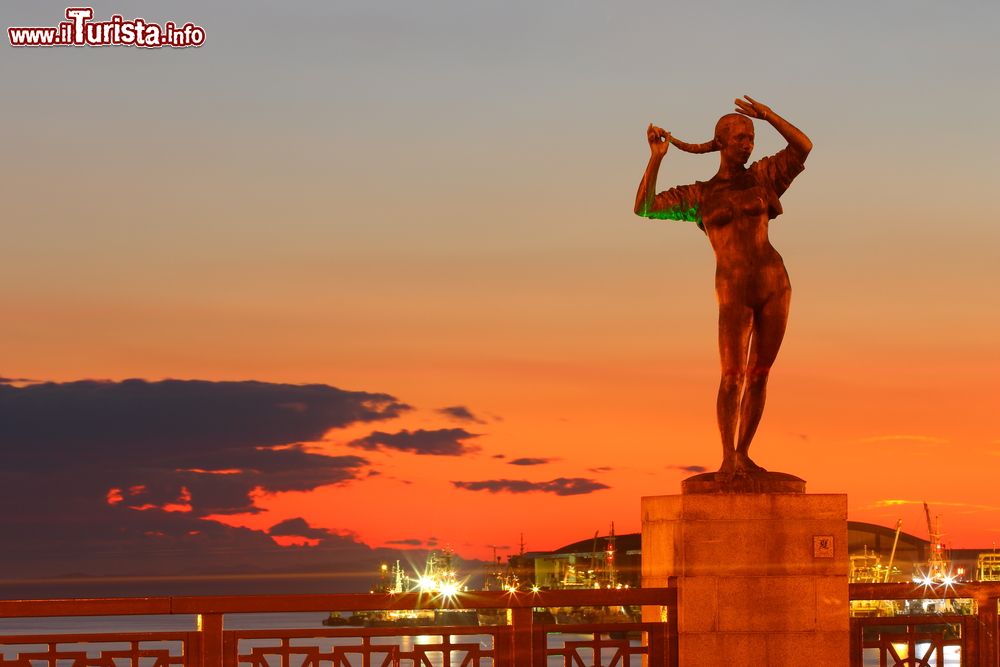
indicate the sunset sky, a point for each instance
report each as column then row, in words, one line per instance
column 390, row 247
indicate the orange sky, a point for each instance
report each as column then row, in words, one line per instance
column 400, row 207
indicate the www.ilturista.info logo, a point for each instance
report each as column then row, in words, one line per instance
column 80, row 30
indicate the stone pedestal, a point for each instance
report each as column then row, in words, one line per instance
column 762, row 577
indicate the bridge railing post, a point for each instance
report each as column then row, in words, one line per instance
column 989, row 653
column 210, row 626
column 673, row 626
column 522, row 636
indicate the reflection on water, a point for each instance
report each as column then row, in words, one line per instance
column 97, row 624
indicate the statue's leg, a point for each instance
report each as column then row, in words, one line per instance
column 768, row 330
column 735, row 324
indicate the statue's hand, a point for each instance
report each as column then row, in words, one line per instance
column 753, row 108
column 659, row 140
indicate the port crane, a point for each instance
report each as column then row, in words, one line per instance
column 938, row 569
column 892, row 554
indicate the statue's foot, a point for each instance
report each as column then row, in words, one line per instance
column 728, row 466
column 738, row 463
column 743, row 463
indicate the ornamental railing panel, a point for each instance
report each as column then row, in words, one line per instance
column 521, row 635
column 140, row 649
column 908, row 625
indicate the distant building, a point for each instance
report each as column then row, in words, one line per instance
column 968, row 564
column 910, row 551
column 596, row 562
column 589, row 563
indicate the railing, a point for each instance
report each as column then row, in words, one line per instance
column 900, row 638
column 524, row 642
column 903, row 639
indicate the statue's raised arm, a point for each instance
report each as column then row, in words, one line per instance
column 796, row 139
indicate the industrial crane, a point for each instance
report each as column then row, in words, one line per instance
column 938, row 568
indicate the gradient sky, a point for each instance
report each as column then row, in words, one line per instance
column 433, row 201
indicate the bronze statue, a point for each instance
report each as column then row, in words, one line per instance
column 733, row 209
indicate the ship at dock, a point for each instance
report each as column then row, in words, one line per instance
column 579, row 566
column 608, row 562
column 439, row 578
column 927, row 564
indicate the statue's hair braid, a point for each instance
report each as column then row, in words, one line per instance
column 707, row 147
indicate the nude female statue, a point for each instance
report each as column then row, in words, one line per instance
column 751, row 284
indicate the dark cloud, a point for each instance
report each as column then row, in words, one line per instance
column 101, row 540
column 216, row 441
column 298, row 527
column 6, row 380
column 409, row 541
column 125, row 473
column 440, row 442
column 561, row 486
column 461, row 413
column 172, row 553
column 529, row 462
column 136, row 418
column 600, row 469
column 499, row 456
column 690, row 468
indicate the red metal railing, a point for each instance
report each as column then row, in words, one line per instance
column 903, row 639
column 522, row 643
column 915, row 639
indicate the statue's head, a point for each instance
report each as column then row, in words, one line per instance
column 734, row 137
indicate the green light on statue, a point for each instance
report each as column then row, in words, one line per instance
column 687, row 215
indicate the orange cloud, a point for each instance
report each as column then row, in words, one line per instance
column 969, row 506
column 294, row 541
column 905, row 438
column 183, row 503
